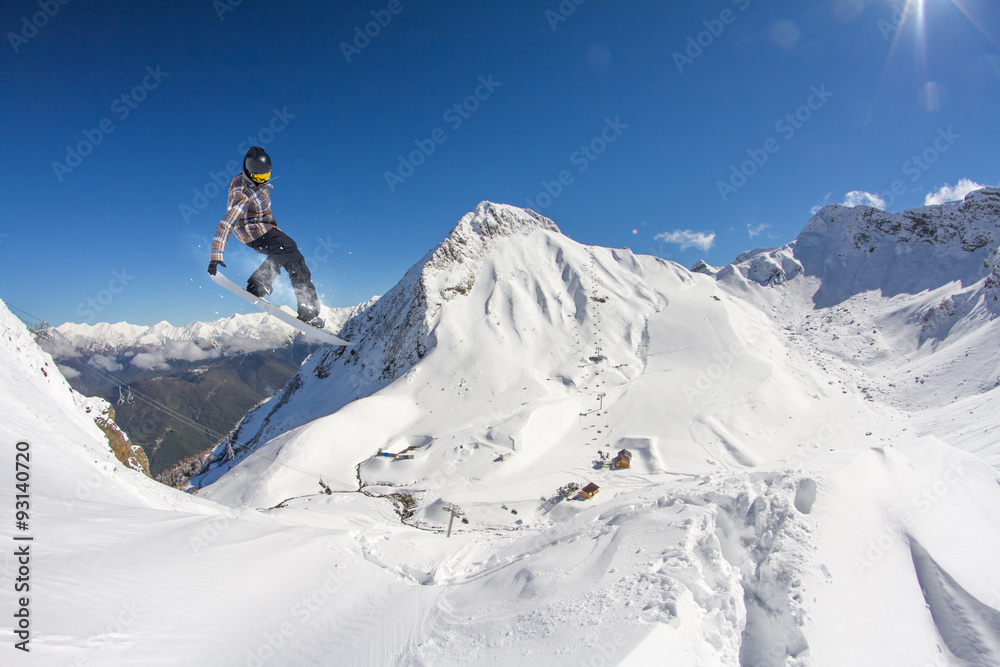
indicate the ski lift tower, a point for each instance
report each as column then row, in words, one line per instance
column 41, row 331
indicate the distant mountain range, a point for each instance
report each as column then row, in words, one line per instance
column 189, row 385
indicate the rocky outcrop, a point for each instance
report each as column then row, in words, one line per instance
column 129, row 454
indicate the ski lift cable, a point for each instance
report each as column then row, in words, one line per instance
column 155, row 404
column 108, row 377
column 185, row 421
column 328, row 479
column 133, row 394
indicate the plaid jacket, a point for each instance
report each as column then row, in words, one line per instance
column 248, row 214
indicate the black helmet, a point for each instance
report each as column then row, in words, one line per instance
column 257, row 165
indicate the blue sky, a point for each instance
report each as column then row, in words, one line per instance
column 689, row 130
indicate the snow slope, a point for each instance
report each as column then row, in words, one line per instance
column 111, row 549
column 790, row 501
column 906, row 302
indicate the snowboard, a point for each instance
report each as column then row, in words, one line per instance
column 270, row 309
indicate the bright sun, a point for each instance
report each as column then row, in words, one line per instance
column 908, row 24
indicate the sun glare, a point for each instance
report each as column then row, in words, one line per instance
column 908, row 25
column 963, row 6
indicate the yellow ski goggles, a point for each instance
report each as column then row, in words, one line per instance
column 261, row 178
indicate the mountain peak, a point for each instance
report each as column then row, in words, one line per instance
column 982, row 203
column 404, row 318
column 488, row 221
column 501, row 273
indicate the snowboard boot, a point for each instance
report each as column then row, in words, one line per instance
column 310, row 316
column 257, row 289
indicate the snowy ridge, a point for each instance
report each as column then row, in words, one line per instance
column 114, row 338
column 400, row 331
column 766, row 267
column 854, row 250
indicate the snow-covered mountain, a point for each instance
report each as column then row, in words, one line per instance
column 863, row 249
column 811, row 431
column 123, row 345
column 500, row 338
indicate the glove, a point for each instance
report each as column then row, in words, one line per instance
column 213, row 267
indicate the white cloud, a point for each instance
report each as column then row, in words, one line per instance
column 688, row 239
column 757, row 230
column 240, row 345
column 104, row 363
column 173, row 350
column 819, row 207
column 861, row 198
column 947, row 193
column 150, row 362
column 186, row 350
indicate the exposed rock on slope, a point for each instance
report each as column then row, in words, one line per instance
column 130, row 454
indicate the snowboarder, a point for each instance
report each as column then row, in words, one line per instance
column 248, row 216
